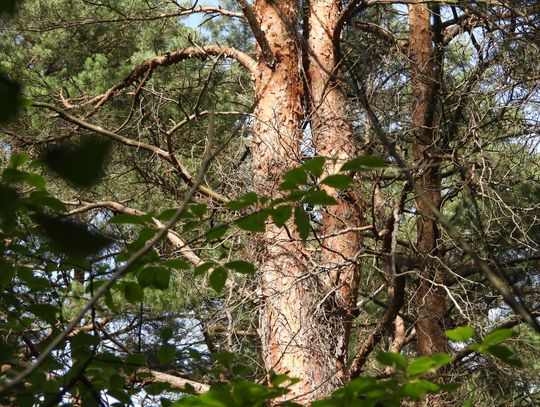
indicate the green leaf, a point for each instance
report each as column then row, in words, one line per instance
column 145, row 277
column 504, row 353
column 46, row 312
column 420, row 366
column 82, row 339
column 133, row 292
column 38, row 199
column 71, row 237
column 241, row 266
column 461, row 334
column 136, row 359
column 162, row 278
column 203, row 268
column 297, row 176
column 14, row 176
column 301, row 220
column 166, row 353
column 416, row 389
column 256, row 222
column 217, row 279
column 243, row 201
column 167, row 214
column 339, row 181
column 498, row 336
column 125, row 218
column 281, row 215
column 363, row 163
column 166, row 333
column 319, row 197
column 10, row 91
column 198, row 209
column 314, row 166
column 392, row 359
column 79, row 164
column 216, row 232
column 17, row 160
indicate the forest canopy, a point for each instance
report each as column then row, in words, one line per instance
column 251, row 203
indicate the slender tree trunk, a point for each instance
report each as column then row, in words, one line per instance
column 425, row 84
column 333, row 137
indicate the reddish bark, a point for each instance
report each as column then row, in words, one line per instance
column 333, row 138
column 424, row 77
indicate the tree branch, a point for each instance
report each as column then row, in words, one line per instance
column 182, row 170
column 260, row 36
column 199, row 52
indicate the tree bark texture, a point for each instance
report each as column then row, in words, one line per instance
column 276, row 148
column 307, row 311
column 426, row 139
column 333, row 138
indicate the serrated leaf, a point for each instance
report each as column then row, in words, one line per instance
column 217, row 279
column 301, row 220
column 281, row 215
column 314, row 166
column 461, row 334
column 498, row 336
column 363, row 163
column 256, row 222
column 133, row 292
column 297, row 176
column 392, row 359
column 319, row 197
column 166, row 353
column 338, row 181
column 241, row 266
column 243, row 201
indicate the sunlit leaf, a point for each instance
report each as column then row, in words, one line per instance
column 461, row 334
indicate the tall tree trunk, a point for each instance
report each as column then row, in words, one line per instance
column 333, row 137
column 276, row 148
column 425, row 75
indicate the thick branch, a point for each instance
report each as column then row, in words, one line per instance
column 199, row 52
column 260, row 36
column 175, row 381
